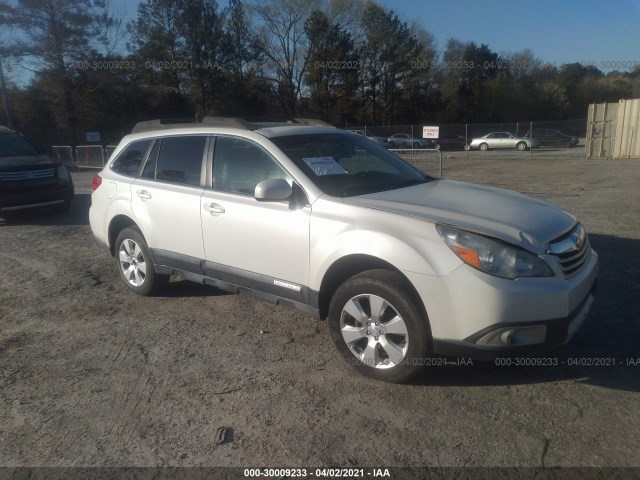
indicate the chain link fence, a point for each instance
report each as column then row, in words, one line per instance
column 556, row 134
column 452, row 143
column 108, row 150
column 63, row 154
column 428, row 161
column 90, row 156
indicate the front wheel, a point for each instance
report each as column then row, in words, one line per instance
column 521, row 146
column 377, row 327
column 484, row 147
column 135, row 264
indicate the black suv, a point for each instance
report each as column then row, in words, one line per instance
column 549, row 137
column 29, row 178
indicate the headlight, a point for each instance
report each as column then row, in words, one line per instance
column 63, row 173
column 493, row 257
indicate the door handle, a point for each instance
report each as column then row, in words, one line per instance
column 143, row 194
column 213, row 208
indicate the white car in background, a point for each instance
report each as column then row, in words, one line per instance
column 498, row 140
column 402, row 265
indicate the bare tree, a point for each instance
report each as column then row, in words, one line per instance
column 285, row 45
column 110, row 26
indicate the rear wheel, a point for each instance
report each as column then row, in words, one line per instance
column 416, row 145
column 483, row 147
column 135, row 264
column 522, row 146
column 377, row 327
column 565, row 144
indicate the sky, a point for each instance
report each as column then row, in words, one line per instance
column 560, row 31
column 557, row 31
column 592, row 32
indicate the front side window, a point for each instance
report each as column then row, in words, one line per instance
column 179, row 160
column 239, row 165
column 343, row 165
column 129, row 161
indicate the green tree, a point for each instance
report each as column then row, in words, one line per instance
column 157, row 45
column 200, row 24
column 57, row 34
column 390, row 47
column 332, row 75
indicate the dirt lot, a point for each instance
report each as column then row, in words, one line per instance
column 92, row 375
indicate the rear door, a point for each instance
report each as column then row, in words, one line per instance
column 166, row 200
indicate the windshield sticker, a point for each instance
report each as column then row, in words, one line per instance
column 324, row 166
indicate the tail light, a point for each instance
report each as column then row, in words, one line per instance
column 96, row 182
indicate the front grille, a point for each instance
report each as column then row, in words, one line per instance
column 571, row 250
column 28, row 175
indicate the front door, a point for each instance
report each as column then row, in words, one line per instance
column 262, row 245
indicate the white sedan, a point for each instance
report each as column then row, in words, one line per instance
column 497, row 140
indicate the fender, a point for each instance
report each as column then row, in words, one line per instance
column 358, row 232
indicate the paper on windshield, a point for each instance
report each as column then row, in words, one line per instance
column 324, row 166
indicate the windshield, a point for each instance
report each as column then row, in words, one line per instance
column 15, row 145
column 345, row 165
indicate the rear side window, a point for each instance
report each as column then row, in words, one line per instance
column 180, row 160
column 129, row 161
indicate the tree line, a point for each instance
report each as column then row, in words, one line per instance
column 348, row 62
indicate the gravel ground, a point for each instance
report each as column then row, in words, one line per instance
column 91, row 375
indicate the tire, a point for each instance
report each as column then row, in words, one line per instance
column 437, row 146
column 135, row 263
column 416, row 145
column 366, row 343
column 483, row 147
column 522, row 146
column 392, row 145
column 565, row 144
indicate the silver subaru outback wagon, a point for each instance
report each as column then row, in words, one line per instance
column 402, row 265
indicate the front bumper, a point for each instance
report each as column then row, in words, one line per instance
column 558, row 332
column 30, row 195
column 464, row 307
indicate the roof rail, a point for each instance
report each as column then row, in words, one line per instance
column 312, row 122
column 228, row 122
column 231, row 122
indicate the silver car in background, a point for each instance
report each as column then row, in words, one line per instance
column 496, row 140
column 405, row 140
column 374, row 138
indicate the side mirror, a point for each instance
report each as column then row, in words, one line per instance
column 273, row 190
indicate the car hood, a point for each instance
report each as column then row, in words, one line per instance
column 510, row 216
column 26, row 162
